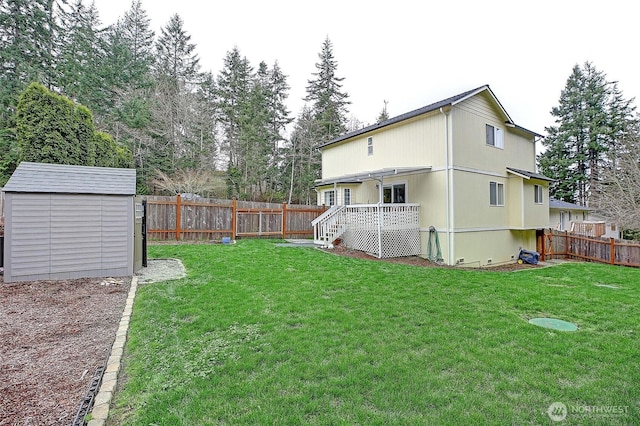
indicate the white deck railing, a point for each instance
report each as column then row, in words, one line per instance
column 383, row 230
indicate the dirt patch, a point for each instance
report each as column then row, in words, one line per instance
column 53, row 337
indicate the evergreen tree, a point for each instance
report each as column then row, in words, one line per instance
column 52, row 129
column 328, row 101
column 177, row 78
column 81, row 60
column 384, row 115
column 324, row 119
column 303, row 163
column 591, row 117
column 27, row 32
column 233, row 95
column 271, row 91
column 129, row 60
column 139, row 38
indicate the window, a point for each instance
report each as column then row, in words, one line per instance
column 495, row 136
column 496, row 194
column 346, row 196
column 537, row 189
column 329, row 198
column 394, row 193
column 370, row 145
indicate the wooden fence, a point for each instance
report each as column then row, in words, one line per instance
column 604, row 250
column 175, row 218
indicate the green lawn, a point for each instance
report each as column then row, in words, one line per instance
column 260, row 334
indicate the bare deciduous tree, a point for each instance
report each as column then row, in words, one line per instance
column 618, row 195
column 189, row 181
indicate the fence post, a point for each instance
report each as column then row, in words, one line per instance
column 567, row 252
column 613, row 251
column 178, row 217
column 544, row 244
column 234, row 212
column 284, row 221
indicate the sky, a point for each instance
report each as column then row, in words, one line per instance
column 412, row 53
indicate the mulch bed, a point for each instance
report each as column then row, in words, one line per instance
column 340, row 250
column 53, row 337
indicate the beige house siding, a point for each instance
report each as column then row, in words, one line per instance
column 452, row 141
column 483, row 248
column 404, row 145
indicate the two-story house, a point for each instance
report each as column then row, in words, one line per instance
column 462, row 164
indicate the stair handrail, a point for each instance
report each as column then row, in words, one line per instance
column 324, row 222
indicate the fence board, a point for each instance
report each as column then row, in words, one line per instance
column 596, row 249
column 176, row 218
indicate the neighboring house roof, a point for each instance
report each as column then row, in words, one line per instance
column 563, row 205
column 528, row 175
column 431, row 107
column 373, row 175
column 65, row 179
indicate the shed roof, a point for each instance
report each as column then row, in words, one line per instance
column 66, row 179
column 528, row 175
column 559, row 204
column 428, row 108
column 372, row 175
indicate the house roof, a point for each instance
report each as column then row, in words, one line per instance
column 65, row 179
column 372, row 175
column 428, row 108
column 559, row 204
column 528, row 175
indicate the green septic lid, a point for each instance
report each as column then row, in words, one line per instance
column 554, row 323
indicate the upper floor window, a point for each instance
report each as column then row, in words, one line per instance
column 346, row 196
column 370, row 145
column 329, row 198
column 495, row 136
column 496, row 194
column 537, row 189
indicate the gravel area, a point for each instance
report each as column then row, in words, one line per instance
column 161, row 270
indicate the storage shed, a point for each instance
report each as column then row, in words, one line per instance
column 66, row 222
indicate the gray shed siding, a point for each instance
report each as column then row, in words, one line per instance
column 66, row 236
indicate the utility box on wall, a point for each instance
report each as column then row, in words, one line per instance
column 65, row 222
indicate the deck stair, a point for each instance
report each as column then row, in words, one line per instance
column 329, row 226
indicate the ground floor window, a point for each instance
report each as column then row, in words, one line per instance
column 346, row 196
column 329, row 198
column 395, row 193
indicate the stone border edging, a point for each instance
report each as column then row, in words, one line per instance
column 100, row 410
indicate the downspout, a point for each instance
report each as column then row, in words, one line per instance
column 449, row 186
column 380, row 200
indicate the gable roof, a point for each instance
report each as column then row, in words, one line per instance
column 453, row 100
column 65, row 179
column 559, row 204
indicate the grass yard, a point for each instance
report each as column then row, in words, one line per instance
column 260, row 334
